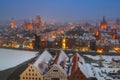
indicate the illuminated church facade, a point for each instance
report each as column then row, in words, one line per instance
column 103, row 24
column 37, row 24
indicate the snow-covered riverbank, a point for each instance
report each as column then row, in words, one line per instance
column 10, row 58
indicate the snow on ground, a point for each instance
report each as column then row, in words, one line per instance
column 106, row 58
column 101, row 73
column 11, row 58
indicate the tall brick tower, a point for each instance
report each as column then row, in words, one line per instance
column 12, row 24
column 103, row 24
column 38, row 22
column 118, row 21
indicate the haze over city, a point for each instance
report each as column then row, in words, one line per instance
column 59, row 40
column 59, row 10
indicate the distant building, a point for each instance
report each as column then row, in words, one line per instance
column 12, row 24
column 114, row 34
column 28, row 25
column 103, row 24
column 93, row 45
column 37, row 24
column 118, row 21
column 37, row 42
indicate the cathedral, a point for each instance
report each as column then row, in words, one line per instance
column 103, row 24
column 37, row 24
column 12, row 24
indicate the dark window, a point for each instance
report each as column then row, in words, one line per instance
column 36, row 74
column 29, row 69
column 36, row 78
column 77, row 76
column 55, row 79
column 81, row 77
column 32, row 74
column 55, row 70
column 29, row 73
column 23, row 77
column 33, row 70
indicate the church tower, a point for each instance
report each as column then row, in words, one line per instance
column 38, row 22
column 103, row 24
column 118, row 21
column 12, row 24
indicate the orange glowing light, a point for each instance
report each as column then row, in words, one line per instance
column 113, row 37
column 100, row 51
column 104, row 26
column 84, row 49
column 117, row 49
column 12, row 23
column 97, row 33
column 64, row 43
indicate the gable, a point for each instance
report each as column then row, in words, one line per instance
column 57, row 71
column 31, row 73
column 77, row 75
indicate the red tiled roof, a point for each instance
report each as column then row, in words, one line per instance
column 56, row 58
column 74, row 61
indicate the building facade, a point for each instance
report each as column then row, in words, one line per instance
column 55, row 73
column 103, row 24
column 31, row 73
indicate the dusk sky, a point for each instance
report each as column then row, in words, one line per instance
column 59, row 10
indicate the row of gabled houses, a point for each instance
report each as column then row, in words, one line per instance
column 59, row 67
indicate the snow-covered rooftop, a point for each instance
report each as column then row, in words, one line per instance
column 62, row 57
column 41, row 64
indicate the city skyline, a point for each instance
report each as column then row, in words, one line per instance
column 59, row 10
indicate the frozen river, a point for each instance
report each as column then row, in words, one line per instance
column 11, row 58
